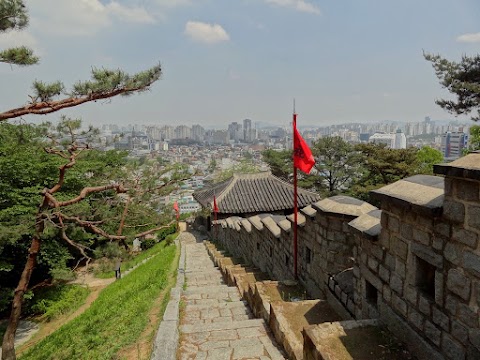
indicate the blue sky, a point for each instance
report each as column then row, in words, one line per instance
column 223, row 61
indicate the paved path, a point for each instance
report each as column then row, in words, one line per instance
column 215, row 324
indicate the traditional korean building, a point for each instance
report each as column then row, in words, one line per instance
column 249, row 194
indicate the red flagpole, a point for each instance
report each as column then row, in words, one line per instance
column 295, row 200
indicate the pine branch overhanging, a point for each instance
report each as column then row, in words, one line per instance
column 103, row 85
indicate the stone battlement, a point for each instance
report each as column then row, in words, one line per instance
column 413, row 264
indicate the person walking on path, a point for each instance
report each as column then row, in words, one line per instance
column 118, row 265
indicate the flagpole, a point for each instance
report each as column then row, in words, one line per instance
column 295, row 198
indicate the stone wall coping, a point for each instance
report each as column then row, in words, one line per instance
column 301, row 220
column 467, row 167
column 309, row 211
column 343, row 205
column 247, row 225
column 229, row 222
column 272, row 226
column 285, row 225
column 423, row 194
column 368, row 225
column 256, row 221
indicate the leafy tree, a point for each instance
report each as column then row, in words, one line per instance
column 426, row 158
column 337, row 164
column 462, row 79
column 243, row 167
column 280, row 163
column 381, row 166
column 474, row 139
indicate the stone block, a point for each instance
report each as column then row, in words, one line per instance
column 442, row 228
column 451, row 305
column 449, row 187
column 400, row 248
column 406, row 232
column 465, row 237
column 371, row 278
column 390, row 261
column 424, row 222
column 474, row 337
column 459, row 331
column 415, row 318
column 440, row 318
column 438, row 242
column 424, row 305
column 466, row 190
column 387, row 293
column 421, row 236
column 411, row 294
column 384, row 219
column 373, row 264
column 471, row 263
column 384, row 273
column 439, row 290
column 384, row 239
column 400, row 268
column 377, row 251
column 473, row 219
column 454, row 211
column 426, row 253
column 467, row 315
column 399, row 305
column 453, row 253
column 396, row 283
column 458, row 283
column 432, row 333
column 451, row 348
column 363, row 257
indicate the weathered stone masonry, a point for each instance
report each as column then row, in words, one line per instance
column 414, row 263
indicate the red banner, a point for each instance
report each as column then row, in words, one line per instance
column 302, row 155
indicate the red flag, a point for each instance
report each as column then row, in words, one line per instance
column 215, row 207
column 176, row 208
column 302, row 155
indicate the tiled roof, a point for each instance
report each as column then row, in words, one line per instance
column 251, row 193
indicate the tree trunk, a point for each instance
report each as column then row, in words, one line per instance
column 8, row 345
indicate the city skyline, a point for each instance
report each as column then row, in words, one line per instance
column 343, row 62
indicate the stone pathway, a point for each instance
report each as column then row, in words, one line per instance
column 215, row 324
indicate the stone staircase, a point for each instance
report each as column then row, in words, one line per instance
column 215, row 324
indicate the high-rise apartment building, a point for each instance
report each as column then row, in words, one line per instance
column 453, row 144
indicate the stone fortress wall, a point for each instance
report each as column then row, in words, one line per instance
column 413, row 264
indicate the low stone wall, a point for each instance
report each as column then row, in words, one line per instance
column 415, row 261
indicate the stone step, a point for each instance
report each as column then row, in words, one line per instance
column 231, row 325
column 223, row 305
column 219, row 296
column 207, row 289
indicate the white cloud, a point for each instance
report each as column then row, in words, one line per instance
column 18, row 38
column 206, row 33
column 173, row 3
column 134, row 14
column 469, row 38
column 299, row 5
column 83, row 17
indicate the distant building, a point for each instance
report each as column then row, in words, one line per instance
column 235, row 132
column 453, row 144
column 395, row 140
column 198, row 133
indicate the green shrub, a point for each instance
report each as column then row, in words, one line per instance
column 53, row 301
column 147, row 244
